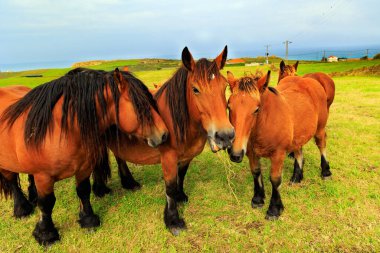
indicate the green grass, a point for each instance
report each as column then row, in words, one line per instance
column 339, row 215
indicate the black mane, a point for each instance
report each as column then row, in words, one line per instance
column 80, row 89
column 176, row 90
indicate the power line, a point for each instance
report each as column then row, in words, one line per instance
column 287, row 42
column 267, row 53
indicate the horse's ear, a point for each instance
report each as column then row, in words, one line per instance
column 117, row 74
column 187, row 59
column 231, row 80
column 263, row 82
column 295, row 65
column 221, row 59
column 282, row 66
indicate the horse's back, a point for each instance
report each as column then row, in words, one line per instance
column 327, row 83
column 11, row 94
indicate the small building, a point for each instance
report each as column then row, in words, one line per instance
column 236, row 61
column 252, row 64
column 332, row 58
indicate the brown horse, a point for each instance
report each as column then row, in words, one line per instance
column 193, row 105
column 55, row 131
column 324, row 79
column 270, row 122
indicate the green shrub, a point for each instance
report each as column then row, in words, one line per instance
column 377, row 56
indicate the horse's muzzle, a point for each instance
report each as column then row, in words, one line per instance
column 236, row 157
column 224, row 138
column 156, row 141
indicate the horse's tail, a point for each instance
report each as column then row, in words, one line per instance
column 6, row 185
column 102, row 169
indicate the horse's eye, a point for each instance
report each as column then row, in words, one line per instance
column 257, row 110
column 196, row 91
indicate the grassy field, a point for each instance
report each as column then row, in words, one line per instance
column 340, row 215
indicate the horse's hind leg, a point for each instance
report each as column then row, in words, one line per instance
column 320, row 140
column 298, row 165
column 126, row 178
column 10, row 183
column 87, row 218
column 258, row 184
column 276, row 207
column 32, row 191
column 45, row 231
column 22, row 207
column 182, row 170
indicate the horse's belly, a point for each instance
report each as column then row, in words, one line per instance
column 138, row 153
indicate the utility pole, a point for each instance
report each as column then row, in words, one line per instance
column 367, row 54
column 324, row 55
column 287, row 42
column 267, row 53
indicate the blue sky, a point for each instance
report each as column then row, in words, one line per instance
column 70, row 30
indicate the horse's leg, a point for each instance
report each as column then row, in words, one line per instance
column 171, row 217
column 276, row 207
column 100, row 174
column 10, row 186
column 87, row 218
column 22, row 207
column 320, row 140
column 126, row 178
column 298, row 165
column 182, row 170
column 45, row 231
column 32, row 191
column 258, row 184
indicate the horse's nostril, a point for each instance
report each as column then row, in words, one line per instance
column 232, row 135
column 165, row 137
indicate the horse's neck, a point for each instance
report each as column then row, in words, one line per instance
column 194, row 130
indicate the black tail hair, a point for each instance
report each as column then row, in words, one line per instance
column 6, row 186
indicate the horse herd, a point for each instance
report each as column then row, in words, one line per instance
column 67, row 126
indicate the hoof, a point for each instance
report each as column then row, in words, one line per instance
column 271, row 217
column 132, row 185
column 89, row 221
column 296, row 178
column 23, row 210
column 45, row 235
column 176, row 229
column 182, row 197
column 274, row 212
column 327, row 177
column 326, row 174
column 257, row 202
column 100, row 190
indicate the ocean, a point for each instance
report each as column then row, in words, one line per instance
column 294, row 54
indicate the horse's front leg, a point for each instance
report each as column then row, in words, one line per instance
column 45, row 231
column 182, row 170
column 172, row 220
column 276, row 207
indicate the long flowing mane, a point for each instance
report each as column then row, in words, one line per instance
column 176, row 91
column 80, row 89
